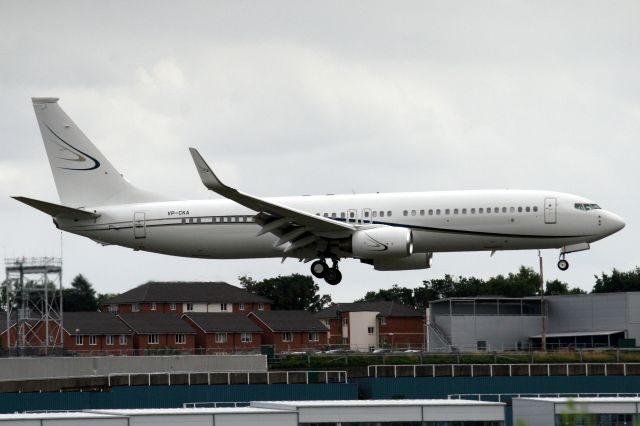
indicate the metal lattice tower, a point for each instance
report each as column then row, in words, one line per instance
column 33, row 302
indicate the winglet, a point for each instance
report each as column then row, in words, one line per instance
column 209, row 179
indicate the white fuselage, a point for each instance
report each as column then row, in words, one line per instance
column 439, row 221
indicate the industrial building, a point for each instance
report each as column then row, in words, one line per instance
column 424, row 412
column 498, row 323
column 576, row 411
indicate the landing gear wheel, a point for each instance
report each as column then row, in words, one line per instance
column 563, row 265
column 333, row 276
column 319, row 268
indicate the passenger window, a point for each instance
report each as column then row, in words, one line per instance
column 519, row 209
column 496, row 209
column 504, row 210
column 438, row 212
column 388, row 213
column 184, row 220
column 488, row 209
column 343, row 215
column 318, row 214
column 374, row 214
column 225, row 219
column 325, row 214
column 528, row 209
column 333, row 215
column 535, row 208
column 430, row 212
column 455, row 211
column 447, row 211
column 512, row 209
column 352, row 215
column 473, row 211
column 413, row 212
column 480, row 210
column 421, row 212
column 405, row 213
column 366, row 213
column 381, row 213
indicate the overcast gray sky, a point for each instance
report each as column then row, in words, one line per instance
column 290, row 97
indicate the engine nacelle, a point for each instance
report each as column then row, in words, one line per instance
column 415, row 261
column 382, row 242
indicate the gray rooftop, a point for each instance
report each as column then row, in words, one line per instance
column 188, row 291
column 147, row 323
column 383, row 307
column 84, row 323
column 289, row 320
column 212, row 322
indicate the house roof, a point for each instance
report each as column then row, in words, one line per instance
column 188, row 291
column 147, row 323
column 383, row 307
column 84, row 323
column 289, row 320
column 212, row 322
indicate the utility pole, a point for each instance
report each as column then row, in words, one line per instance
column 542, row 310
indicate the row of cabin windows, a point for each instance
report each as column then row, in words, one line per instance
column 352, row 214
column 473, row 210
column 219, row 219
column 135, row 307
column 93, row 340
column 313, row 336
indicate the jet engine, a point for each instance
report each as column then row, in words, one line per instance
column 415, row 261
column 384, row 242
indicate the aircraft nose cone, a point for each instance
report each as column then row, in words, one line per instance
column 613, row 223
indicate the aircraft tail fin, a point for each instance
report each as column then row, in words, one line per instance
column 83, row 175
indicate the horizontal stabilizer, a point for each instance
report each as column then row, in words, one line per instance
column 56, row 210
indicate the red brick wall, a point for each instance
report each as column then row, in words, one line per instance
column 407, row 331
column 141, row 342
column 300, row 341
column 233, row 344
column 100, row 346
column 335, row 326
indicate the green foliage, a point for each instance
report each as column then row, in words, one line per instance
column 557, row 287
column 80, row 297
column 618, row 281
column 289, row 292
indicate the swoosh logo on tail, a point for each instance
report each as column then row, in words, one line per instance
column 79, row 156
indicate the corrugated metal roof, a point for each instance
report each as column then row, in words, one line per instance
column 578, row 334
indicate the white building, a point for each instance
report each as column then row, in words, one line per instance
column 427, row 412
column 588, row 411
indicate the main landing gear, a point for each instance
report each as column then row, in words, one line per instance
column 331, row 275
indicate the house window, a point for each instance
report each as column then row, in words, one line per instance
column 221, row 337
column 189, row 307
column 261, row 306
column 287, row 336
column 109, row 340
column 314, row 336
column 482, row 345
column 246, row 338
column 383, row 321
column 241, row 307
column 123, row 339
column 113, row 309
column 154, row 339
column 172, row 306
column 135, row 307
column 154, row 306
column 223, row 306
column 345, row 340
column 79, row 340
column 371, row 330
column 181, row 339
column 93, row 340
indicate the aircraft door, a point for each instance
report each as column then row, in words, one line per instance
column 139, row 225
column 550, row 214
column 366, row 216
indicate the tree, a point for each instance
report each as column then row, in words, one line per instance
column 288, row 292
column 80, row 297
column 398, row 294
column 557, row 287
column 618, row 281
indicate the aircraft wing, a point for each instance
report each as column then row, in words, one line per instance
column 293, row 226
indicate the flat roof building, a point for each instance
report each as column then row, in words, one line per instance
column 576, row 411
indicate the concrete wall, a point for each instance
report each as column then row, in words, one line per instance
column 40, row 368
column 359, row 337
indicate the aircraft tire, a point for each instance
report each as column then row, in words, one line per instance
column 333, row 276
column 319, row 269
column 563, row 265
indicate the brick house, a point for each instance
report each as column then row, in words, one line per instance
column 155, row 331
column 364, row 326
column 290, row 330
column 218, row 332
column 87, row 332
column 182, row 297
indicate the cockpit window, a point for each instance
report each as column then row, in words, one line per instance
column 585, row 206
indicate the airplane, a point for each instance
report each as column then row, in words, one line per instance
column 391, row 232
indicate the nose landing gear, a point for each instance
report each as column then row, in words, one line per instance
column 563, row 264
column 331, row 275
